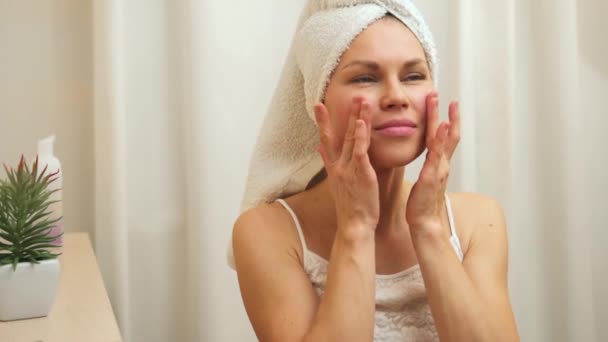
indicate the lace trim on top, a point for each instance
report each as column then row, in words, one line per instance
column 402, row 310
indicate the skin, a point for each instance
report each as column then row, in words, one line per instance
column 366, row 220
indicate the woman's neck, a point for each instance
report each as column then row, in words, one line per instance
column 393, row 192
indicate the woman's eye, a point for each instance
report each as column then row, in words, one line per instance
column 414, row 77
column 363, row 79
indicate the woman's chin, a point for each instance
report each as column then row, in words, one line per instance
column 386, row 158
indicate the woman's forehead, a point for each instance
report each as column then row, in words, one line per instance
column 387, row 38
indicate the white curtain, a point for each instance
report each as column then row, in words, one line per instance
column 530, row 76
column 181, row 88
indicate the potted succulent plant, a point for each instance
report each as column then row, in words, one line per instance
column 29, row 271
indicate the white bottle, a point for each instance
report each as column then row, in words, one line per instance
column 47, row 159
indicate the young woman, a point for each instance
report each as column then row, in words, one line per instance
column 360, row 254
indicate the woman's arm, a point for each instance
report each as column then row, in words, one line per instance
column 469, row 301
column 279, row 299
column 277, row 293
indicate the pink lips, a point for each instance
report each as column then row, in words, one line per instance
column 397, row 128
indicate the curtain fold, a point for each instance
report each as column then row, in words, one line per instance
column 111, row 232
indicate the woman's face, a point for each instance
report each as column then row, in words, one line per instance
column 386, row 66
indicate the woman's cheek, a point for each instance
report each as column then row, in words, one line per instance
column 419, row 99
column 342, row 112
column 340, row 102
column 339, row 112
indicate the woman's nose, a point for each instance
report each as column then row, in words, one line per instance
column 394, row 96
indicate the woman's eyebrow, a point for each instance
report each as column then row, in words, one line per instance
column 376, row 66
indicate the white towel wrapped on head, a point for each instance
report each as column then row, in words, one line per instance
column 285, row 159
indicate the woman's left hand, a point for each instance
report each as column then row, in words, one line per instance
column 425, row 212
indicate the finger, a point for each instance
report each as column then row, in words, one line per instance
column 366, row 116
column 436, row 149
column 443, row 163
column 326, row 161
column 441, row 138
column 326, row 134
column 360, row 148
column 454, row 132
column 349, row 137
column 432, row 107
column 430, row 168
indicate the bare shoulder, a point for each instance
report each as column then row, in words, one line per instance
column 486, row 252
column 278, row 296
column 267, row 224
column 474, row 213
column 476, row 206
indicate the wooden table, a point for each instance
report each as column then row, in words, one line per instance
column 81, row 311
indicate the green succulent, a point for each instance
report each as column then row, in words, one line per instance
column 25, row 222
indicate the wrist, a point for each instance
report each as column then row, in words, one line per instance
column 354, row 233
column 427, row 234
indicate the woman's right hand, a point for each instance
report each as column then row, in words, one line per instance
column 352, row 179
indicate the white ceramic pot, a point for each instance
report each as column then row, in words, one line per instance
column 29, row 291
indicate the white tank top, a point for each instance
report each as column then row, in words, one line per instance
column 402, row 310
